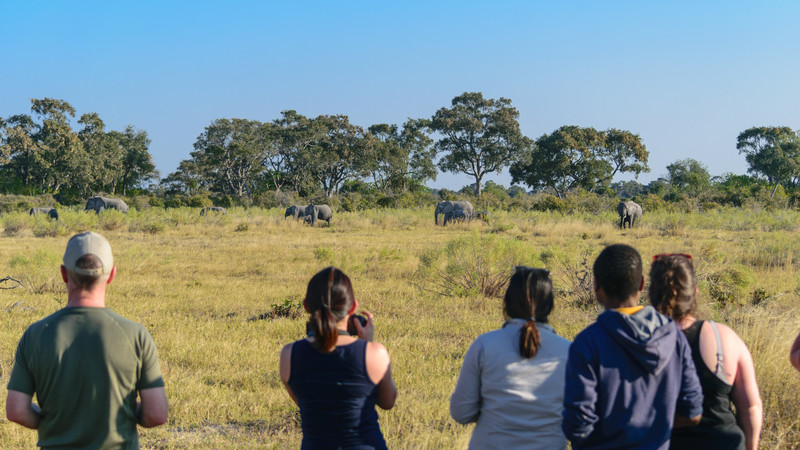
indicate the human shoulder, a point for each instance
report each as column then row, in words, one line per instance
column 377, row 350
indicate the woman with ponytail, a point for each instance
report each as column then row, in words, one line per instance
column 337, row 376
column 722, row 360
column 512, row 379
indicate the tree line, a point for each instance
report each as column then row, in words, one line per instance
column 320, row 157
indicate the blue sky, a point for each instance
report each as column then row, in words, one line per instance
column 687, row 77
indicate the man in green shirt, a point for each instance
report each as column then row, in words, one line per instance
column 87, row 364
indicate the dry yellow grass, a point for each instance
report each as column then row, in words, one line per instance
column 195, row 283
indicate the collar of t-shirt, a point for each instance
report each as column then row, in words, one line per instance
column 630, row 310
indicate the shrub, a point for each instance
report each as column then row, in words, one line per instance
column 730, row 286
column 112, row 220
column 156, row 202
column 472, row 265
column 289, row 309
column 14, row 224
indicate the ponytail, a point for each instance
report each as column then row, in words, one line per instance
column 529, row 340
column 323, row 324
column 329, row 297
column 529, row 296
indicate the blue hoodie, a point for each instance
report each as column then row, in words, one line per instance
column 627, row 377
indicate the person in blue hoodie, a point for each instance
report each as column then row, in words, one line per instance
column 630, row 377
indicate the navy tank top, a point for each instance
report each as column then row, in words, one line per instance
column 336, row 397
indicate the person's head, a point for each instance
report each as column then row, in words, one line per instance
column 529, row 296
column 673, row 287
column 329, row 299
column 618, row 275
column 87, row 261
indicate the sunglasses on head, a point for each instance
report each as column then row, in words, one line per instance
column 665, row 255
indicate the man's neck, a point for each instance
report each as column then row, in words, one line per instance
column 90, row 299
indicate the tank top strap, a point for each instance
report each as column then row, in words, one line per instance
column 720, row 371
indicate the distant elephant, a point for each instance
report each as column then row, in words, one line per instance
column 448, row 206
column 51, row 212
column 483, row 215
column 103, row 203
column 630, row 213
column 296, row 211
column 210, row 209
column 456, row 214
column 318, row 212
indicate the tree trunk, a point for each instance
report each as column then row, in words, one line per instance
column 774, row 189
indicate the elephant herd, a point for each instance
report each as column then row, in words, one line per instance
column 95, row 204
column 452, row 211
column 310, row 213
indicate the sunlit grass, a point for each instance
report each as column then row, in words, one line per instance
column 204, row 285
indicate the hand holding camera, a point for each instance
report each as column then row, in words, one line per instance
column 361, row 326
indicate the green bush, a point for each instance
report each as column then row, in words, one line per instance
column 730, row 286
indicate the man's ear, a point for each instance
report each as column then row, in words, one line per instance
column 111, row 275
column 306, row 306
column 64, row 274
column 641, row 284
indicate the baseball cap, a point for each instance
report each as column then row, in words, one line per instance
column 88, row 243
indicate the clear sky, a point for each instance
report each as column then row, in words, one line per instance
column 687, row 76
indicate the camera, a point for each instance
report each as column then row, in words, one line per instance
column 351, row 326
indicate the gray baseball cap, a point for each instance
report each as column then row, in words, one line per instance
column 88, row 243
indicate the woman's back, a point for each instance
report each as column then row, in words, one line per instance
column 718, row 427
column 336, row 396
column 517, row 401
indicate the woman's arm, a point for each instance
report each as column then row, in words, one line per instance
column 746, row 397
column 794, row 353
column 379, row 369
column 285, row 369
column 465, row 403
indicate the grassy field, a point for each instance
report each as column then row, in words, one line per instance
column 220, row 295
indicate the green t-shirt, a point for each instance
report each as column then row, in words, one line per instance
column 85, row 366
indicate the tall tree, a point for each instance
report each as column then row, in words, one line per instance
column 403, row 157
column 63, row 156
column 227, row 153
column 689, row 175
column 104, row 153
column 480, row 135
column 574, row 157
column 136, row 163
column 343, row 153
column 20, row 151
column 771, row 152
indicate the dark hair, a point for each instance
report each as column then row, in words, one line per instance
column 329, row 298
column 618, row 270
column 672, row 286
column 529, row 296
column 86, row 282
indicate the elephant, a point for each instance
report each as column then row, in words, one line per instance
column 448, row 206
column 629, row 212
column 296, row 211
column 483, row 215
column 103, row 203
column 456, row 214
column 318, row 212
column 51, row 212
column 215, row 209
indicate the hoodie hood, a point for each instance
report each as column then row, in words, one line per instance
column 649, row 337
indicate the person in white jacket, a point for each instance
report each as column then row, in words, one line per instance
column 512, row 379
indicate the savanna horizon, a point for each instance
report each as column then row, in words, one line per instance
column 220, row 296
